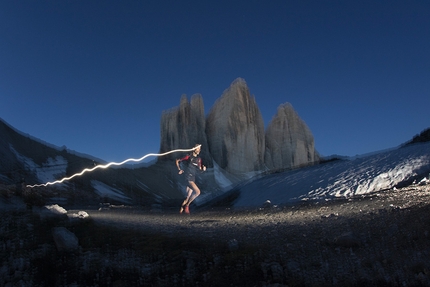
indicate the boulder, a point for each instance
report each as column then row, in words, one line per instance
column 65, row 240
column 81, row 215
column 53, row 212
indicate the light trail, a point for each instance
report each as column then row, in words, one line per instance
column 111, row 164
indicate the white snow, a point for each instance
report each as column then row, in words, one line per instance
column 344, row 178
column 50, row 170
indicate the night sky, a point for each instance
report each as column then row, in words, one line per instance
column 96, row 76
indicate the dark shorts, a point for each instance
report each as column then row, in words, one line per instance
column 191, row 177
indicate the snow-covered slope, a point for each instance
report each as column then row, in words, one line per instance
column 340, row 178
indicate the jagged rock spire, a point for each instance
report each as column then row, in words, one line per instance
column 184, row 126
column 289, row 142
column 235, row 130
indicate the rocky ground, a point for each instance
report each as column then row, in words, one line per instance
column 379, row 240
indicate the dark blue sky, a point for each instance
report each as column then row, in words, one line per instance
column 96, row 75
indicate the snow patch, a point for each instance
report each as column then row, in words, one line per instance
column 50, row 170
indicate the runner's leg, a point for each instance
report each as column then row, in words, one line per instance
column 196, row 191
column 189, row 192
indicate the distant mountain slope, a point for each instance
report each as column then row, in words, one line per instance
column 343, row 178
column 28, row 159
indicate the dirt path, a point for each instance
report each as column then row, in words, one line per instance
column 381, row 238
column 228, row 223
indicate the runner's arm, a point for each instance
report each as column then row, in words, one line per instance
column 178, row 161
column 201, row 166
column 179, row 168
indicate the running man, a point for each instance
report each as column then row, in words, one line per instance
column 194, row 165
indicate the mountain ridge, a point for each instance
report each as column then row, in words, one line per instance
column 235, row 133
column 24, row 156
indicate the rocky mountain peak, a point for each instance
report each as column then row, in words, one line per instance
column 232, row 134
column 289, row 141
column 184, row 126
column 235, row 130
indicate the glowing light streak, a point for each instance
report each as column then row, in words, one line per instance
column 111, row 164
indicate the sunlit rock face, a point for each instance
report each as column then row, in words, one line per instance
column 289, row 142
column 235, row 130
column 184, row 126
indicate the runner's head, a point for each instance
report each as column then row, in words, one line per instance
column 197, row 148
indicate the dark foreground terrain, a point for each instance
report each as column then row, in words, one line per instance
column 378, row 240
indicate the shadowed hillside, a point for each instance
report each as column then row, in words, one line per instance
column 29, row 160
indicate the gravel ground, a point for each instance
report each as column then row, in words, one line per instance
column 382, row 239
